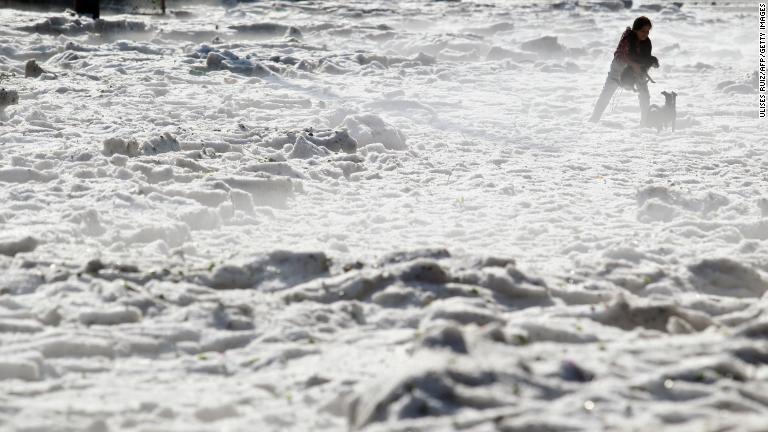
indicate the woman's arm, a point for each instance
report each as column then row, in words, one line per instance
column 622, row 50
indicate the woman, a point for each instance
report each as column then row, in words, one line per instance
column 634, row 52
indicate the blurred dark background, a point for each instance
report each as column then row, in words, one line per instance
column 95, row 7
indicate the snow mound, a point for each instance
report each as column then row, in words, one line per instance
column 32, row 69
column 162, row 143
column 664, row 203
column 8, row 97
column 226, row 60
column 369, row 128
column 329, row 140
column 10, row 246
column 264, row 189
column 63, row 25
column 271, row 270
column 22, row 369
column 725, row 277
column 434, row 387
column 283, row 169
column 546, row 45
column 26, row 175
column 269, row 30
column 500, row 53
column 335, row 141
column 305, row 149
column 419, row 281
column 420, row 59
column 122, row 146
column 110, row 317
column 491, row 29
column 745, row 85
column 630, row 313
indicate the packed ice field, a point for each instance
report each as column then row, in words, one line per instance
column 379, row 216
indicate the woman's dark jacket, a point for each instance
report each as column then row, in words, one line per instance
column 633, row 49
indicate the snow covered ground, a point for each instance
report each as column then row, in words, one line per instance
column 379, row 215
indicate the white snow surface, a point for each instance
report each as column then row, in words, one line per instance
column 379, row 215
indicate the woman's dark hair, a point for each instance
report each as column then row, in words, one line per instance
column 641, row 22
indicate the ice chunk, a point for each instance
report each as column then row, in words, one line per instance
column 723, row 276
column 11, row 246
column 110, row 316
column 22, row 369
column 122, row 146
column 370, row 128
column 163, row 143
column 32, row 69
column 546, row 45
column 277, row 267
column 8, row 97
column 305, row 149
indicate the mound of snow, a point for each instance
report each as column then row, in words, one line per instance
column 370, row 128
column 62, row 25
column 264, row 189
column 726, row 277
column 12, row 246
column 747, row 84
column 8, row 97
column 432, row 387
column 546, row 45
column 163, row 143
column 490, row 30
column 160, row 144
column 269, row 30
column 328, row 139
column 277, row 268
column 304, row 149
column 110, row 316
column 123, row 146
column 32, row 69
column 336, row 141
column 25, row 175
column 226, row 60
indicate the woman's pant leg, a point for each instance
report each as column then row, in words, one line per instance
column 609, row 88
column 644, row 98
